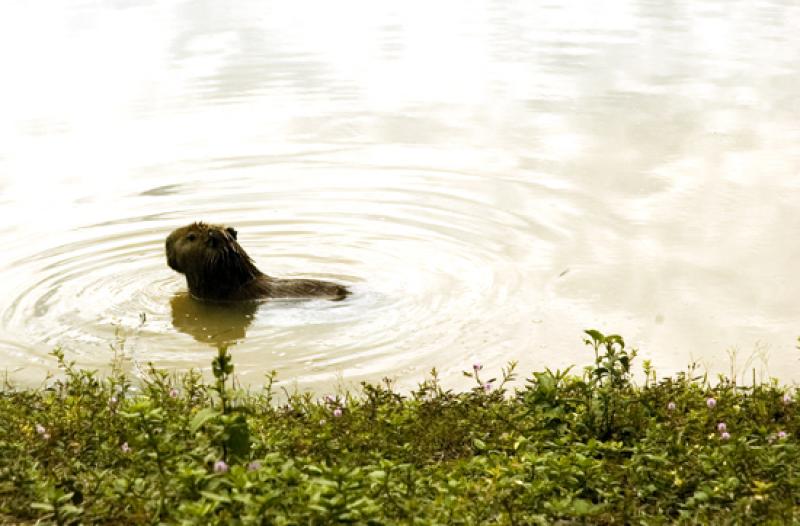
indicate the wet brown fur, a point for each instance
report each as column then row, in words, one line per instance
column 217, row 268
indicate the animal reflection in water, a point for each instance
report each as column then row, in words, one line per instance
column 216, row 324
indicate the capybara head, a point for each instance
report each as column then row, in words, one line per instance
column 214, row 263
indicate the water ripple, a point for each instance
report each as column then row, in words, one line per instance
column 422, row 253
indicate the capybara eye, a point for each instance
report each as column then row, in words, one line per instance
column 232, row 232
column 191, row 237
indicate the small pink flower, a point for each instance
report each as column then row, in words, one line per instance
column 173, row 392
column 337, row 412
column 711, row 403
column 721, row 427
column 330, row 398
column 487, row 387
column 254, row 466
column 787, row 399
column 671, row 406
column 725, row 435
column 477, row 367
column 40, row 429
column 220, row 466
column 782, row 434
column 112, row 402
column 125, row 447
column 46, row 436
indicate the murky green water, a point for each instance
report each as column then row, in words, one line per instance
column 490, row 178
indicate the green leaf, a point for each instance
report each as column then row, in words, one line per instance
column 597, row 336
column 244, row 498
column 46, row 506
column 582, row 507
column 202, row 417
column 701, row 496
column 65, row 497
column 215, row 497
column 69, row 509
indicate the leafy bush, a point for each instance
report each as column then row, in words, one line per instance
column 564, row 448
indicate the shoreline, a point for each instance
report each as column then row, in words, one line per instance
column 567, row 446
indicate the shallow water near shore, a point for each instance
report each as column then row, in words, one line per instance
column 490, row 178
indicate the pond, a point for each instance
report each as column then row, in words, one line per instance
column 489, row 178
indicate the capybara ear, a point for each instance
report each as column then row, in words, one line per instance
column 232, row 232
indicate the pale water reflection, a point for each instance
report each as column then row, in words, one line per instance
column 489, row 177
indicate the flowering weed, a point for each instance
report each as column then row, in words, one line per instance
column 591, row 448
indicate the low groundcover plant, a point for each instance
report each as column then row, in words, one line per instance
column 593, row 448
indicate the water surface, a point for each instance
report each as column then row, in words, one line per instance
column 490, row 178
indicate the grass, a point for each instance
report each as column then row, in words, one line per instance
column 588, row 448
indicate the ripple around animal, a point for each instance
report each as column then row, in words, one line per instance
column 422, row 262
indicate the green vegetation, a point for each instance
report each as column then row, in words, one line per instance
column 592, row 448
